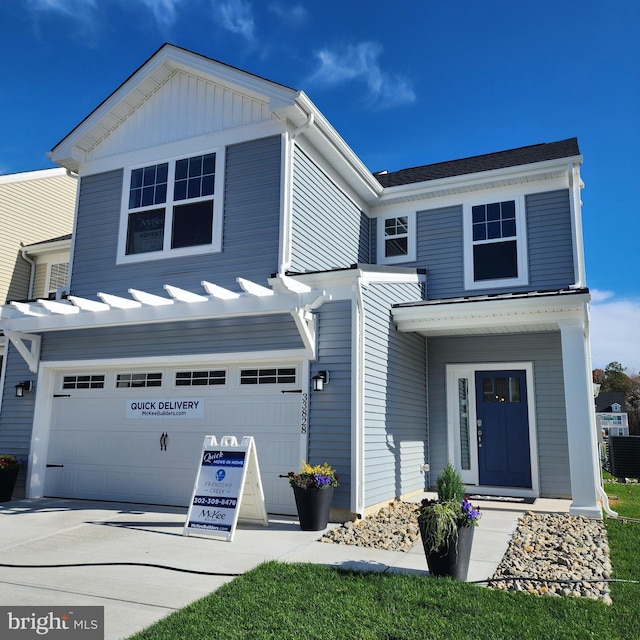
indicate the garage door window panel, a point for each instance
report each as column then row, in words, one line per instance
column 138, row 380
column 268, row 376
column 201, row 378
column 93, row 381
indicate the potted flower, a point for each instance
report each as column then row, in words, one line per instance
column 446, row 527
column 9, row 469
column 313, row 490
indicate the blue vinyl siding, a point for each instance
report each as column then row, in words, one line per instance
column 229, row 335
column 250, row 240
column 16, row 418
column 395, row 413
column 550, row 240
column 329, row 438
column 544, row 350
column 328, row 229
column 440, row 247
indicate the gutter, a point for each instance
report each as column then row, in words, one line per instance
column 32, row 273
column 575, row 203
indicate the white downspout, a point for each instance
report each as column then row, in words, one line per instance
column 357, row 417
column 32, row 273
column 575, row 203
column 286, row 186
column 602, row 494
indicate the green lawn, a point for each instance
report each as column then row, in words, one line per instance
column 308, row 602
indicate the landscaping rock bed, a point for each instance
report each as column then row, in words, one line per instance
column 545, row 548
column 555, row 547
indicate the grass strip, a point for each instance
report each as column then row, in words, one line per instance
column 292, row 601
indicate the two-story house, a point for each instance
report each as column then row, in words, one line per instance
column 237, row 270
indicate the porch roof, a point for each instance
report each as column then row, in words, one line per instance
column 534, row 311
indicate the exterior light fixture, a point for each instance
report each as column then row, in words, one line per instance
column 319, row 380
column 21, row 387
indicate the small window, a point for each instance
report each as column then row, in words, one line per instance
column 136, row 380
column 200, row 378
column 90, row 381
column 57, row 278
column 501, row 389
column 268, row 376
column 396, row 239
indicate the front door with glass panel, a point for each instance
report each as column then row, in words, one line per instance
column 504, row 458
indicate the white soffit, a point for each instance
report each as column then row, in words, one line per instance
column 480, row 317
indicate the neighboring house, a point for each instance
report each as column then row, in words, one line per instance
column 35, row 206
column 230, row 249
column 611, row 414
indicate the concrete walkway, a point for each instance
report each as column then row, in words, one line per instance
column 76, row 532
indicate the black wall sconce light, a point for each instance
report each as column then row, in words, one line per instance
column 21, row 387
column 319, row 380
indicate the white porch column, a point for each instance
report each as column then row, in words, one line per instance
column 579, row 405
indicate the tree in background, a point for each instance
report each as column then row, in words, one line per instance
column 614, row 378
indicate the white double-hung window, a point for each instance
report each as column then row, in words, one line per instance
column 172, row 208
column 397, row 238
column 495, row 243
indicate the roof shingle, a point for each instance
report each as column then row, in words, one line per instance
column 487, row 162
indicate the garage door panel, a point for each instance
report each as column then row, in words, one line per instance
column 91, row 430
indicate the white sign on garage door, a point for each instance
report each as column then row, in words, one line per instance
column 100, row 449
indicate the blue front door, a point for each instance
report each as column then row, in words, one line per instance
column 504, row 458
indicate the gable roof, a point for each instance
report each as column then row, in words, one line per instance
column 147, row 80
column 605, row 400
column 487, row 162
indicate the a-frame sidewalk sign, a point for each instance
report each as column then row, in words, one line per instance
column 228, row 487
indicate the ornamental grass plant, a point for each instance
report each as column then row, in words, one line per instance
column 440, row 519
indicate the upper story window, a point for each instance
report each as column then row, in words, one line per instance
column 495, row 250
column 397, row 239
column 57, row 277
column 172, row 208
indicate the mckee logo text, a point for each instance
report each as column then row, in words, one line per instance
column 26, row 623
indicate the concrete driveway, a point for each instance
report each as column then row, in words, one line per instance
column 81, row 534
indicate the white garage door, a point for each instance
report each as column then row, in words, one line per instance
column 136, row 436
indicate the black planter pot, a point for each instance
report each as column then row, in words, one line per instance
column 7, row 484
column 452, row 560
column 313, row 507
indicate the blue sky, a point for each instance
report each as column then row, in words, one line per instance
column 405, row 83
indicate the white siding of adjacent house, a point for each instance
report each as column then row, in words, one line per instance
column 34, row 207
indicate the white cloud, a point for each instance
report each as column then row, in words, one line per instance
column 360, row 62
column 164, row 11
column 236, row 16
column 72, row 8
column 86, row 13
column 83, row 12
column 615, row 331
column 292, row 17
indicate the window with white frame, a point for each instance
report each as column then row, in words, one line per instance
column 173, row 208
column 58, row 273
column 495, row 253
column 396, row 238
